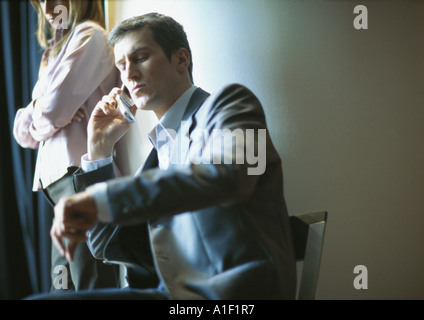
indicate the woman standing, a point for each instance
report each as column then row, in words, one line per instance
column 76, row 71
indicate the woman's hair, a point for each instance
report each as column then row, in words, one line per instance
column 79, row 11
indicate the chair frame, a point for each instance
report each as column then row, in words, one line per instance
column 308, row 237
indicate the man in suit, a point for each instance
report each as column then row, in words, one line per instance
column 206, row 216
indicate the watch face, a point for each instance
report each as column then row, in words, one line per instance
column 124, row 104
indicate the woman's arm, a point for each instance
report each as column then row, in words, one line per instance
column 81, row 67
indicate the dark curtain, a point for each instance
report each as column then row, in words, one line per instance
column 25, row 216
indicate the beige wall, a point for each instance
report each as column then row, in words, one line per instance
column 345, row 111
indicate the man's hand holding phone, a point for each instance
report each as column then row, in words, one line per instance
column 107, row 125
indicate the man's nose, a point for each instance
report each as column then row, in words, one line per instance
column 132, row 71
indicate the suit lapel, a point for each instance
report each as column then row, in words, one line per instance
column 199, row 96
column 179, row 152
column 151, row 161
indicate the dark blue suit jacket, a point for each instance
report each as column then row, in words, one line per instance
column 207, row 230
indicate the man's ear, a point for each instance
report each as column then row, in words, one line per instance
column 182, row 58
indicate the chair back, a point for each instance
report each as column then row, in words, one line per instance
column 308, row 236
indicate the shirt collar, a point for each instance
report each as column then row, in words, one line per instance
column 171, row 120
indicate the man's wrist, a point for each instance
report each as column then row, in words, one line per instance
column 96, row 151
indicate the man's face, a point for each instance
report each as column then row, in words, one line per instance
column 146, row 71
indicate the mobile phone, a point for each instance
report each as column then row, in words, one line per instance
column 125, row 103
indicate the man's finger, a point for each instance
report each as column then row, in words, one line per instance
column 77, row 224
column 73, row 235
column 57, row 241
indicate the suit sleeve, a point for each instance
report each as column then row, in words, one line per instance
column 99, row 236
column 82, row 180
column 159, row 193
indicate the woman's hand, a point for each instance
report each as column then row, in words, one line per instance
column 79, row 115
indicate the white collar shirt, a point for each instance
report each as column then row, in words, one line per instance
column 164, row 133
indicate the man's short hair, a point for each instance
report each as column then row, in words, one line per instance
column 167, row 32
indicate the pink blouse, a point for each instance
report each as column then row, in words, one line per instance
column 81, row 74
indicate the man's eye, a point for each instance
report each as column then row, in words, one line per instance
column 141, row 58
